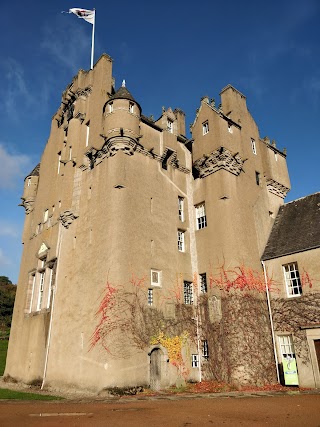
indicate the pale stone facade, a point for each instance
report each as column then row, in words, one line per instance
column 125, row 200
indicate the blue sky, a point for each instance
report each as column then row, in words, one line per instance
column 171, row 53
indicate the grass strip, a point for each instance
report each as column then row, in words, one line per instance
column 19, row 395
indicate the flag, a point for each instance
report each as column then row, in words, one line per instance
column 87, row 15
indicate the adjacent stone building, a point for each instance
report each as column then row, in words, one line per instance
column 142, row 248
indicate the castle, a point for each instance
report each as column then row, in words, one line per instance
column 143, row 248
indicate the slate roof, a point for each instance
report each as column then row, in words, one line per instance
column 35, row 171
column 123, row 93
column 296, row 228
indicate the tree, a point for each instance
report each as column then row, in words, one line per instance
column 7, row 297
column 4, row 280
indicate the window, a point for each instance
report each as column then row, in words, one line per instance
column 59, row 161
column 131, row 106
column 45, row 215
column 292, row 279
column 180, row 241
column 169, row 125
column 286, row 346
column 70, row 153
column 275, row 156
column 30, row 292
column 188, row 293
column 205, row 128
column 257, row 178
column 88, row 133
column 155, row 278
column 203, row 283
column 150, row 296
column 205, row 349
column 111, row 107
column 180, row 208
column 253, row 146
column 201, row 216
column 230, row 128
column 29, row 182
column 41, row 289
column 195, row 360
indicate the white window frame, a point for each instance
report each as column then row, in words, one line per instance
column 153, row 274
column 195, row 361
column 110, row 107
column 201, row 216
column 150, row 297
column 203, row 283
column 30, row 291
column 169, row 125
column 28, row 182
column 59, row 162
column 131, row 107
column 286, row 346
column 87, row 133
column 181, row 241
column 42, row 276
column 292, row 279
column 253, row 146
column 187, row 293
column 205, row 127
column 45, row 215
column 181, row 208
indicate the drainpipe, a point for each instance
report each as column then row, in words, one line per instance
column 271, row 321
column 54, row 290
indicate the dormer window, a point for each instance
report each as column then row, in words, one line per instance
column 131, row 106
column 169, row 125
column 205, row 128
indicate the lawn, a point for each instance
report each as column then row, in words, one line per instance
column 11, row 394
column 3, row 355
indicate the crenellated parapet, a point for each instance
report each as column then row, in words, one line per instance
column 129, row 146
column 219, row 159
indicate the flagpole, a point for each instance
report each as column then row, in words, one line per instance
column 92, row 39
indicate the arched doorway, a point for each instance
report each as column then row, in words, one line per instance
column 155, row 369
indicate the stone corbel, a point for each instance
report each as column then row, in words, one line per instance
column 67, row 217
column 27, row 204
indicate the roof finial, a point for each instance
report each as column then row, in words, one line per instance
column 123, row 83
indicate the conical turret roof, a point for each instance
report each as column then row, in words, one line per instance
column 35, row 171
column 123, row 93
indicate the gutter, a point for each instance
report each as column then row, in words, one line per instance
column 271, row 321
column 54, row 290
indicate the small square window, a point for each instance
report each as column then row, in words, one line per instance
column 181, row 208
column 203, row 283
column 195, row 360
column 188, row 293
column 150, row 297
column 253, row 146
column 292, row 279
column 181, row 241
column 205, row 128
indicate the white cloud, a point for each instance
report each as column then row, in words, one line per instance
column 16, row 88
column 68, row 41
column 13, row 167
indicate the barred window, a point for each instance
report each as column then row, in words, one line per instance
column 205, row 349
column 201, row 216
column 292, row 279
column 150, row 296
column 203, row 283
column 188, row 293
